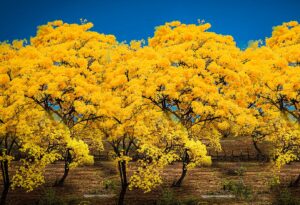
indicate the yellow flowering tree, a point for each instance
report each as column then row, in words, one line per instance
column 196, row 77
column 273, row 71
column 60, row 69
column 27, row 134
column 135, row 129
column 69, row 88
column 285, row 42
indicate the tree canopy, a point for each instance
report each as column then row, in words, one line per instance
column 69, row 90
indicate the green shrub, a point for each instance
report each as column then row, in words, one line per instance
column 168, row 198
column 241, row 171
column 109, row 184
column 238, row 188
column 237, row 172
column 49, row 197
column 285, row 198
column 274, row 183
column 78, row 201
column 190, row 201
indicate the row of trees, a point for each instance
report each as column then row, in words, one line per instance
column 70, row 89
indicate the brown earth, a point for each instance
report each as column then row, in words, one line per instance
column 206, row 180
column 92, row 180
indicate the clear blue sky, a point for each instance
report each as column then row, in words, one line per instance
column 136, row 19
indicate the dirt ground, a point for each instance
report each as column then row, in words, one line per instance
column 100, row 182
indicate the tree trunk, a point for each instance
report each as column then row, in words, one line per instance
column 124, row 182
column 4, row 195
column 63, row 178
column 296, row 182
column 185, row 161
column 257, row 148
column 122, row 195
column 180, row 180
column 6, row 181
column 68, row 161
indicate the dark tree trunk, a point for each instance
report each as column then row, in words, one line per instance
column 63, row 178
column 180, row 180
column 122, row 195
column 296, row 182
column 68, row 161
column 185, row 161
column 6, row 181
column 4, row 195
column 124, row 182
column 259, row 152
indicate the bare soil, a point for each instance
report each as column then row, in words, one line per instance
column 100, row 182
column 90, row 180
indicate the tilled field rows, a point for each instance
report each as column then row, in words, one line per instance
column 206, row 180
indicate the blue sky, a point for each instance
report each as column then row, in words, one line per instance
column 136, row 19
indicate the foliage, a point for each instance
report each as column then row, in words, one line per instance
column 109, row 184
column 69, row 89
column 274, row 183
column 238, row 188
column 273, row 71
column 49, row 197
column 240, row 171
column 168, row 198
column 285, row 198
